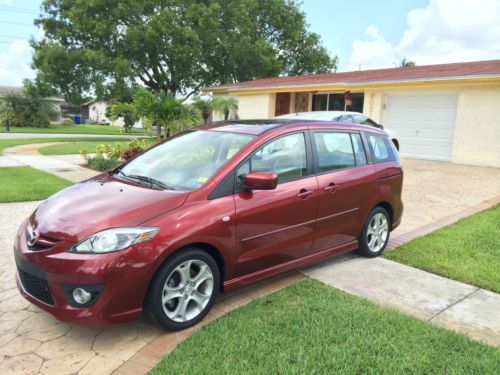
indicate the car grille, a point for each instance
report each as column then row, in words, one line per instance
column 43, row 243
column 38, row 288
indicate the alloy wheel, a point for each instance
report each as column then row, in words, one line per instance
column 378, row 230
column 187, row 290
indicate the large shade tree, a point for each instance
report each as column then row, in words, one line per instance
column 174, row 46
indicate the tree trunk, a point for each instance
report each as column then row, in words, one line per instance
column 226, row 115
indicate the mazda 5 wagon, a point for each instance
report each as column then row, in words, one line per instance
column 208, row 211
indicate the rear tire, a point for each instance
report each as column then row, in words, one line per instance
column 183, row 290
column 376, row 232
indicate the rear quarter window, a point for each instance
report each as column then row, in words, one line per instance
column 381, row 148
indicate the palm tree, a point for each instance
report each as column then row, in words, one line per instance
column 125, row 110
column 205, row 106
column 28, row 109
column 164, row 109
column 405, row 63
column 227, row 105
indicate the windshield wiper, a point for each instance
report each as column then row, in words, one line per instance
column 150, row 180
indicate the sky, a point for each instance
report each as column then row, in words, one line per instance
column 364, row 34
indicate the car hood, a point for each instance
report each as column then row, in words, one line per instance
column 100, row 203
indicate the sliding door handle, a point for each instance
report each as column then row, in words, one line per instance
column 330, row 188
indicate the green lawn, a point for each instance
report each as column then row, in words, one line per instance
column 75, row 129
column 75, row 147
column 310, row 328
column 468, row 251
column 19, row 184
column 6, row 143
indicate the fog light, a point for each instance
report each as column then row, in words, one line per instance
column 81, row 296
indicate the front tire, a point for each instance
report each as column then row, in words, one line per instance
column 183, row 290
column 375, row 235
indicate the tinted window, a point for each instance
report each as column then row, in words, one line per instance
column 286, row 156
column 334, row 151
column 359, row 150
column 380, row 148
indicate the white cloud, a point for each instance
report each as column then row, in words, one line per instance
column 15, row 63
column 444, row 31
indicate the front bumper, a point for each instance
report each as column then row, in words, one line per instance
column 122, row 278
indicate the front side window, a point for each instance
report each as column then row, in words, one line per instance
column 286, row 156
column 187, row 161
column 334, row 151
column 380, row 148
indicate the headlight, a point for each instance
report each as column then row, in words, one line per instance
column 114, row 239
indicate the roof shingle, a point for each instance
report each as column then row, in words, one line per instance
column 455, row 70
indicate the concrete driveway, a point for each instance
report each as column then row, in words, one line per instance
column 31, row 341
column 435, row 190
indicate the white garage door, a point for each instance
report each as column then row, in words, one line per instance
column 425, row 124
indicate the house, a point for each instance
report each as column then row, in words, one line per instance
column 94, row 111
column 58, row 102
column 10, row 90
column 447, row 112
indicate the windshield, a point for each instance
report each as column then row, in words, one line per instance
column 187, row 161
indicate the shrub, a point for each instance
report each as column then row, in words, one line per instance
column 134, row 148
column 102, row 164
column 15, row 120
column 108, row 157
column 67, row 121
column 105, row 159
column 36, row 120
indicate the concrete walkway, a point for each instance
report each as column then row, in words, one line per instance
column 448, row 303
column 49, row 135
column 28, row 155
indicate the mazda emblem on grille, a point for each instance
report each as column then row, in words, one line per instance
column 32, row 236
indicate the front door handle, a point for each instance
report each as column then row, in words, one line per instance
column 330, row 188
column 304, row 193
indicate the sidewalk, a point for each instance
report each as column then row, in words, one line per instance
column 28, row 155
column 54, row 135
column 448, row 303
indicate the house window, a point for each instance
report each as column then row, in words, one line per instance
column 320, row 102
column 336, row 102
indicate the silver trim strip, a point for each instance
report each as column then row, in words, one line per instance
column 337, row 214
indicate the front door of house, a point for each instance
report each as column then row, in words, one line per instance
column 282, row 103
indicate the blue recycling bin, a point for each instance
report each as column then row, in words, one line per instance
column 78, row 120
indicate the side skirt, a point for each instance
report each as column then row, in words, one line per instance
column 240, row 282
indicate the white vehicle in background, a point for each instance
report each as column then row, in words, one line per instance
column 341, row 116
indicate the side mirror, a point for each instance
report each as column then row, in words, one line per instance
column 261, row 181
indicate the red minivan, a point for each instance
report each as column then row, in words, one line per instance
column 210, row 210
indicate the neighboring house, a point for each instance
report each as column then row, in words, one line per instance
column 448, row 112
column 10, row 89
column 58, row 102
column 95, row 112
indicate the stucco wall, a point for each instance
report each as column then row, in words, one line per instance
column 256, row 106
column 477, row 130
column 373, row 105
column 252, row 107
